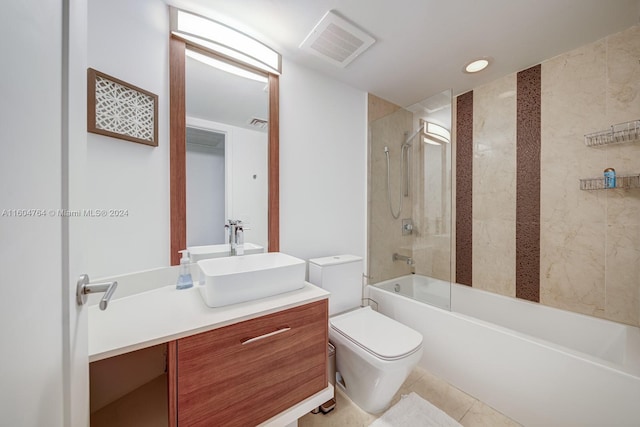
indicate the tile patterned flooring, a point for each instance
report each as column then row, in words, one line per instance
column 467, row 410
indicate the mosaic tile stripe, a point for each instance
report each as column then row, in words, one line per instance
column 528, row 184
column 464, row 188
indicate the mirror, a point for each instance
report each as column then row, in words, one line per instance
column 226, row 157
column 178, row 162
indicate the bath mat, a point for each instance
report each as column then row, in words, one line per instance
column 411, row 411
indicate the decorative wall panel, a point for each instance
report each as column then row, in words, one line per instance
column 121, row 110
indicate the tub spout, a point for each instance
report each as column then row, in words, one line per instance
column 407, row 259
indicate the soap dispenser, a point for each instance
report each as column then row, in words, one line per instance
column 184, row 280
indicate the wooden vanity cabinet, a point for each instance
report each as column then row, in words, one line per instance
column 245, row 373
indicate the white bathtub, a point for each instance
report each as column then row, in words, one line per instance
column 539, row 365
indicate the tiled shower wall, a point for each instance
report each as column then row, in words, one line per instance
column 387, row 125
column 533, row 233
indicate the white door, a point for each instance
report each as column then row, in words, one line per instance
column 43, row 362
column 74, row 172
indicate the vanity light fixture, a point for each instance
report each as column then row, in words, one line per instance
column 225, row 66
column 224, row 41
column 477, row 65
column 435, row 134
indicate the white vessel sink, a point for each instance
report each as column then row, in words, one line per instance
column 235, row 279
column 199, row 253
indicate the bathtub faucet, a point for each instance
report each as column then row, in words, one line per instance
column 407, row 259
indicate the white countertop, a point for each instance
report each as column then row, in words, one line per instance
column 165, row 314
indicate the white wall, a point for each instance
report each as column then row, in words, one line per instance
column 129, row 41
column 323, row 155
column 322, row 152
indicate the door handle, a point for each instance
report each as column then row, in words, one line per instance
column 84, row 288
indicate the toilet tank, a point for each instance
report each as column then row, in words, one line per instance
column 342, row 276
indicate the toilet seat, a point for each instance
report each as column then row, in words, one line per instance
column 377, row 334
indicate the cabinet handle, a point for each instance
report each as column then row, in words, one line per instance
column 270, row 334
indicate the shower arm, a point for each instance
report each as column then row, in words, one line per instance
column 413, row 135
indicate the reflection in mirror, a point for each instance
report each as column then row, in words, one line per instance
column 205, row 186
column 226, row 150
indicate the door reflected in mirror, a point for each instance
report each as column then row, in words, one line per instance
column 226, row 152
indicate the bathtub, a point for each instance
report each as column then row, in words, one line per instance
column 538, row 365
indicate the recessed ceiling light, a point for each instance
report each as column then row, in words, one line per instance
column 477, row 65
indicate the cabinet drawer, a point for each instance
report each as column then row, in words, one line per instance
column 244, row 374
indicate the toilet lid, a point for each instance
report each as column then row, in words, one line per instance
column 376, row 333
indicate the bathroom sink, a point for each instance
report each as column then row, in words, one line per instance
column 230, row 280
column 199, row 253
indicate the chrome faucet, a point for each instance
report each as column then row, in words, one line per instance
column 407, row 259
column 235, row 236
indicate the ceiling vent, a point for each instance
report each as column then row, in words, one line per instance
column 258, row 123
column 336, row 40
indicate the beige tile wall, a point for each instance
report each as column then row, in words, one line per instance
column 622, row 268
column 572, row 231
column 494, row 186
column 385, row 233
column 589, row 240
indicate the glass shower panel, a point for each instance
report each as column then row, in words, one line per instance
column 432, row 245
column 410, row 198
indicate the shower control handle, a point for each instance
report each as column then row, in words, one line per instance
column 407, row 226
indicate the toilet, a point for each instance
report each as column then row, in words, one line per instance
column 374, row 353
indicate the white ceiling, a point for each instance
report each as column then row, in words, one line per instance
column 218, row 96
column 422, row 45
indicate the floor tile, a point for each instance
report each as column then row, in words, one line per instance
column 346, row 414
column 444, row 396
column 414, row 377
column 460, row 406
column 481, row 415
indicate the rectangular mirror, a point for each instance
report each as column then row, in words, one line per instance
column 245, row 196
column 227, row 110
